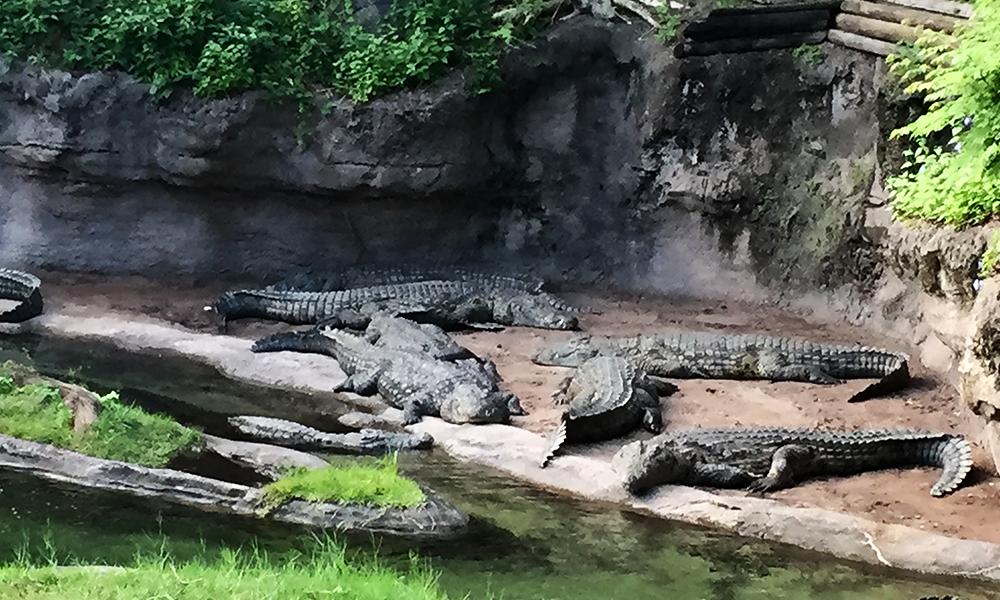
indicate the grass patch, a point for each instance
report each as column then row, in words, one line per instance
column 378, row 484
column 35, row 412
column 325, row 572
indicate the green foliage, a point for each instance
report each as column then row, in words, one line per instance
column 287, row 47
column 130, row 434
column 520, row 20
column 991, row 256
column 36, row 412
column 670, row 23
column 244, row 574
column 952, row 172
column 810, row 53
column 378, row 484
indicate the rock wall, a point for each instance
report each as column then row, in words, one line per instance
column 600, row 159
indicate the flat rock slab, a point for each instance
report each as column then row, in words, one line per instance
column 231, row 355
column 516, row 451
column 265, row 459
column 436, row 518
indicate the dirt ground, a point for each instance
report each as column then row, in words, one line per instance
column 888, row 496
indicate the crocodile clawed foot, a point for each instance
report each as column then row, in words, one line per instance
column 759, row 486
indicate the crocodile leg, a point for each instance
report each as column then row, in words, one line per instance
column 413, row 411
column 659, row 386
column 514, row 406
column 723, row 476
column 364, row 383
column 564, row 392
column 664, row 367
column 807, row 373
column 652, row 418
column 787, row 463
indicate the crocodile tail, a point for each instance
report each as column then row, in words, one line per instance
column 556, row 440
column 896, row 380
column 22, row 287
column 955, row 456
column 238, row 305
column 294, row 341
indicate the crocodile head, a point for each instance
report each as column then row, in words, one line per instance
column 468, row 404
column 573, row 353
column 643, row 465
column 532, row 310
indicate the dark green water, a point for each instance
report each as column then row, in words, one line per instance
column 522, row 543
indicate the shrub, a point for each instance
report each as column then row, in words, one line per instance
column 287, row 47
column 952, row 173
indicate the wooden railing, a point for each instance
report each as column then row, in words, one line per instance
column 877, row 27
column 865, row 25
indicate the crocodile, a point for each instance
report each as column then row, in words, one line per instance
column 370, row 276
column 607, row 397
column 765, row 459
column 442, row 302
column 391, row 333
column 23, row 288
column 296, row 435
column 743, row 356
column 459, row 391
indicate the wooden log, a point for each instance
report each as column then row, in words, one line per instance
column 758, row 25
column 862, row 43
column 790, row 40
column 774, row 8
column 955, row 9
column 898, row 14
column 873, row 28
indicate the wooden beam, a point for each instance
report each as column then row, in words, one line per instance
column 955, row 9
column 862, row 43
column 789, row 40
column 758, row 25
column 774, row 8
column 873, row 28
column 898, row 14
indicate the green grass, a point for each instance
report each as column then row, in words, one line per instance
column 380, row 485
column 36, row 412
column 323, row 573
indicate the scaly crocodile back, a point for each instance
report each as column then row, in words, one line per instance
column 743, row 356
column 604, row 404
column 22, row 287
column 376, row 276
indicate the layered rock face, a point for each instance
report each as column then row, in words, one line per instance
column 601, row 158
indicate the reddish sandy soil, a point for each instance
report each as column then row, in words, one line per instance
column 889, row 496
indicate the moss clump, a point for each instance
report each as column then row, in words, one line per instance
column 380, row 485
column 35, row 412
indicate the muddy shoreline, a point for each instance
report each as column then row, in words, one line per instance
column 884, row 518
